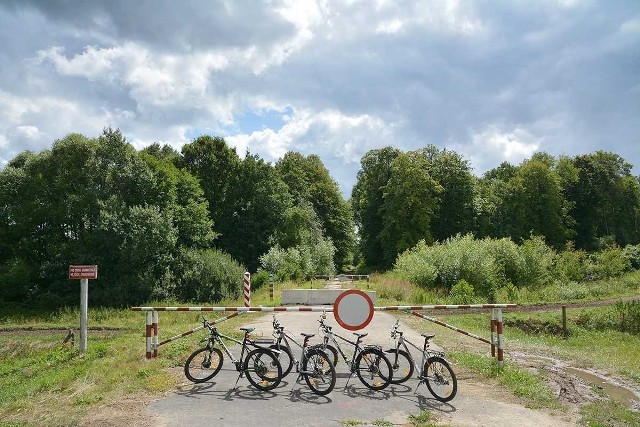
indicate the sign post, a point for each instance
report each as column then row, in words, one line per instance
column 84, row 273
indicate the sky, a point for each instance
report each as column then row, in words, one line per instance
column 492, row 80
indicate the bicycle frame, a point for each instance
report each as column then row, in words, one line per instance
column 216, row 337
column 425, row 351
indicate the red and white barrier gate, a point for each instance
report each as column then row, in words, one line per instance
column 495, row 320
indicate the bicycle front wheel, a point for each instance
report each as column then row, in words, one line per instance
column 402, row 366
column 285, row 357
column 318, row 372
column 263, row 369
column 203, row 364
column 440, row 379
column 373, row 369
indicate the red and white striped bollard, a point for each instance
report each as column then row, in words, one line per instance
column 247, row 289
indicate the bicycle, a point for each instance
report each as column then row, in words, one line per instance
column 435, row 371
column 260, row 365
column 369, row 362
column 315, row 367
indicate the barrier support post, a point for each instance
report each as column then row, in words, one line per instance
column 500, row 339
column 493, row 332
column 148, row 335
column 247, row 289
column 154, row 325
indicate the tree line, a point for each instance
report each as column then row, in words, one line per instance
column 165, row 224
column 587, row 202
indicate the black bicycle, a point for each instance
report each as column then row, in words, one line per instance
column 368, row 362
column 315, row 367
column 435, row 371
column 260, row 365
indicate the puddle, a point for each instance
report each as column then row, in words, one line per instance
column 615, row 392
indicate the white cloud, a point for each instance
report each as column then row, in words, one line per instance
column 327, row 133
column 492, row 146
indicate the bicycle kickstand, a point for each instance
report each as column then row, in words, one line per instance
column 235, row 386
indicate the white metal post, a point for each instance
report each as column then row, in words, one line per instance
column 84, row 303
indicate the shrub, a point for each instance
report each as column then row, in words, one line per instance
column 15, row 280
column 571, row 264
column 300, row 261
column 609, row 262
column 462, row 293
column 259, row 279
column 632, row 252
column 623, row 317
column 538, row 263
column 209, row 275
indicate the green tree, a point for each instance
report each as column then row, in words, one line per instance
column 255, row 209
column 456, row 212
column 411, row 199
column 367, row 198
column 309, row 181
column 605, row 200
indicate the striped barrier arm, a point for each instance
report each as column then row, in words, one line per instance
column 184, row 334
column 431, row 319
column 323, row 308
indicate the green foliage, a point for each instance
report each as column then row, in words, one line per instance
column 15, row 280
column 310, row 184
column 462, row 293
column 410, row 200
column 209, row 275
column 301, row 261
column 632, row 252
column 487, row 265
column 609, row 262
column 623, row 317
column 538, row 263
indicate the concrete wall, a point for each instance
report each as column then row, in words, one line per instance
column 316, row 296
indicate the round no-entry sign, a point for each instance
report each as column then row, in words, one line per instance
column 353, row 309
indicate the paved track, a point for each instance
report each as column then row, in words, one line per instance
column 292, row 404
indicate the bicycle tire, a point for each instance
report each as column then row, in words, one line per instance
column 401, row 364
column 203, row 364
column 263, row 369
column 318, row 372
column 440, row 378
column 374, row 369
column 330, row 351
column 285, row 357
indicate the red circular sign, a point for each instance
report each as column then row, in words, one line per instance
column 353, row 309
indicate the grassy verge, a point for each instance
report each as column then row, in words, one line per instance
column 608, row 414
column 45, row 383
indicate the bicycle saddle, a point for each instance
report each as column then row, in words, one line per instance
column 247, row 330
column 360, row 335
column 428, row 336
column 307, row 335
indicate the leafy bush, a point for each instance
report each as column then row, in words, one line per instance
column 15, row 280
column 209, row 275
column 632, row 252
column 623, row 317
column 487, row 265
column 259, row 279
column 609, row 262
column 538, row 263
column 462, row 293
column 571, row 264
column 300, row 261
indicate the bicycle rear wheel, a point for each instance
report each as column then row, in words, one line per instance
column 440, row 378
column 374, row 369
column 318, row 372
column 401, row 364
column 285, row 357
column 203, row 364
column 263, row 369
column 329, row 351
